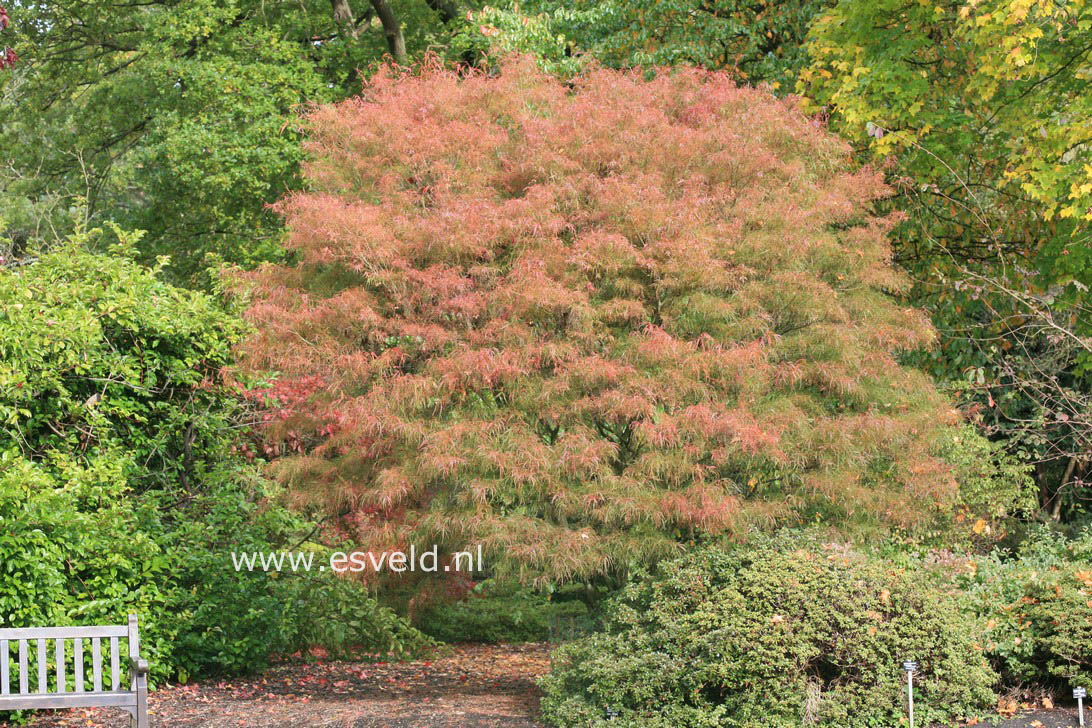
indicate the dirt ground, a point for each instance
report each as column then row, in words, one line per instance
column 474, row 686
column 1058, row 718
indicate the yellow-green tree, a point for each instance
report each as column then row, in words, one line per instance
column 984, row 109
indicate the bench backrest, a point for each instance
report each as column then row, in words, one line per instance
column 66, row 645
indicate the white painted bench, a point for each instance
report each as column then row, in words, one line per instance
column 70, row 691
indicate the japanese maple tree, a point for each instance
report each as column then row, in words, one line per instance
column 582, row 324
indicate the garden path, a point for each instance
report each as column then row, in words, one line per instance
column 479, row 686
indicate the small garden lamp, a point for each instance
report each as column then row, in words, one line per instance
column 1080, row 694
column 909, row 666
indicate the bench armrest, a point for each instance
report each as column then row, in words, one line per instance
column 138, row 666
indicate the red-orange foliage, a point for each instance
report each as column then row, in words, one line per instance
column 7, row 55
column 579, row 324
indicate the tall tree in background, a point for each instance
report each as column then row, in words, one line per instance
column 581, row 327
column 755, row 40
column 984, row 107
column 180, row 118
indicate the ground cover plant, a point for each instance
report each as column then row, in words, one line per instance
column 493, row 614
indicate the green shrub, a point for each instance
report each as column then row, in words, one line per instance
column 787, row 632
column 513, row 616
column 228, row 621
column 120, row 490
column 73, row 550
column 1035, row 608
column 994, row 484
column 336, row 613
column 100, row 357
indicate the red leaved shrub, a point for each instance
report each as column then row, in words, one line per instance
column 581, row 323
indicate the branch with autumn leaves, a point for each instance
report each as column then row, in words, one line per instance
column 7, row 55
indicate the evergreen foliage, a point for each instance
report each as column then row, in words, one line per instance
column 786, row 632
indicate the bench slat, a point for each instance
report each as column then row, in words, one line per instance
column 43, row 684
column 59, row 650
column 30, row 633
column 5, row 686
column 115, row 677
column 77, row 659
column 23, row 680
column 96, row 663
column 68, row 700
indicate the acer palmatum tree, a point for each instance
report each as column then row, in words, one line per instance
column 583, row 324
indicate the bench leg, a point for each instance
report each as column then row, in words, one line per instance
column 140, row 715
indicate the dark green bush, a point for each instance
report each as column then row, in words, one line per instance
column 1035, row 608
column 994, row 484
column 787, row 632
column 229, row 621
column 508, row 616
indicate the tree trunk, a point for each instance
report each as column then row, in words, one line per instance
column 1056, row 512
column 343, row 16
column 446, row 9
column 392, row 29
column 1043, row 482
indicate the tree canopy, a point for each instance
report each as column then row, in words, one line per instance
column 181, row 118
column 981, row 110
column 579, row 326
column 754, row 41
column 177, row 118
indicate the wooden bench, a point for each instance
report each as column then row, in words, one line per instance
column 70, row 690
